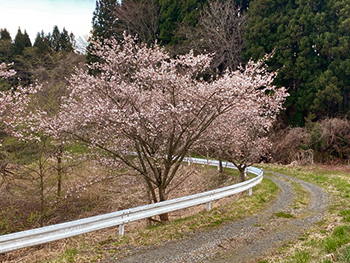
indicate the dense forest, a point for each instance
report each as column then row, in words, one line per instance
column 34, row 61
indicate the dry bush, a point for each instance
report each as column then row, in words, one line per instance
column 291, row 145
column 327, row 140
column 333, row 142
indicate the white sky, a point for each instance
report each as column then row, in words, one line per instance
column 37, row 15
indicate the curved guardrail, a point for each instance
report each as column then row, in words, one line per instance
column 120, row 218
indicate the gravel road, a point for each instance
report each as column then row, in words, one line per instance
column 246, row 240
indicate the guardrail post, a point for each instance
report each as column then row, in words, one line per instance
column 121, row 230
column 250, row 191
column 208, row 206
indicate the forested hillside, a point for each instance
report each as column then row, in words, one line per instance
column 35, row 61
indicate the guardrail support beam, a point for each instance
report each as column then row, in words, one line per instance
column 208, row 206
column 250, row 191
column 121, row 230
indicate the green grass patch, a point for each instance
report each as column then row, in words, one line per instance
column 300, row 257
column 68, row 256
column 345, row 254
column 301, row 196
column 345, row 214
column 283, row 215
column 339, row 237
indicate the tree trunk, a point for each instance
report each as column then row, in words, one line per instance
column 42, row 196
column 59, row 171
column 241, row 173
column 162, row 197
column 220, row 166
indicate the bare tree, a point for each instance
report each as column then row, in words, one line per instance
column 220, row 30
column 139, row 17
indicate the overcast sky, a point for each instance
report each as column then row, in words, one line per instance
column 36, row 15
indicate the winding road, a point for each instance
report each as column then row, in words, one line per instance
column 247, row 240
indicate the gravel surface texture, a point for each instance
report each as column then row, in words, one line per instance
column 246, row 240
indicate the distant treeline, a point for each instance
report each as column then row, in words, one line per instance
column 28, row 58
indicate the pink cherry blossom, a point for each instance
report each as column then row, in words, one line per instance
column 14, row 112
column 148, row 109
column 240, row 135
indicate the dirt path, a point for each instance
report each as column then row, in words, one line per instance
column 246, row 240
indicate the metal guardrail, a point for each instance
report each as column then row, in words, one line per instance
column 120, row 218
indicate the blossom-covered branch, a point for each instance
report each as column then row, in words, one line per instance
column 240, row 135
column 147, row 109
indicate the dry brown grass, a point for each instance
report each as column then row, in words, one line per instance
column 112, row 194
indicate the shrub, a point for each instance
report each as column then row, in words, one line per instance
column 323, row 141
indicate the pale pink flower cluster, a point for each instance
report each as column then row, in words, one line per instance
column 240, row 135
column 4, row 73
column 140, row 101
column 14, row 113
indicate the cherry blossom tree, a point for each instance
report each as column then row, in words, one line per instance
column 13, row 107
column 145, row 108
column 13, row 115
column 148, row 110
column 240, row 135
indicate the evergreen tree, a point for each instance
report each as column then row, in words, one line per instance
column 65, row 43
column 55, row 39
column 173, row 13
column 43, row 54
column 6, row 46
column 23, row 76
column 4, row 34
column 21, row 42
column 61, row 41
column 6, row 55
column 42, row 42
column 104, row 19
column 310, row 39
column 333, row 96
